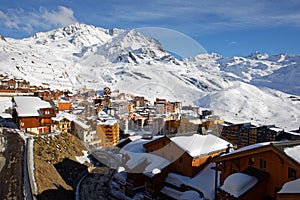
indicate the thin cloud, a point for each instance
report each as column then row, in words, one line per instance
column 208, row 15
column 63, row 17
column 229, row 42
column 191, row 17
column 43, row 19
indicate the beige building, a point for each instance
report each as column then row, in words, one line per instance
column 108, row 132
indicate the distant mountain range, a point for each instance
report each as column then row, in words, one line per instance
column 259, row 88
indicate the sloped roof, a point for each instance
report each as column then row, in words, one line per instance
column 27, row 106
column 70, row 117
column 198, row 145
column 149, row 164
column 289, row 149
column 6, row 116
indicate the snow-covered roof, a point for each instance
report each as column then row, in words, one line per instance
column 293, row 152
column 190, row 195
column 238, row 183
column 108, row 122
column 102, row 114
column 80, row 108
column 204, row 182
column 198, row 145
column 246, row 148
column 295, row 132
column 154, row 163
column 70, row 117
column 276, row 129
column 291, row 187
column 5, row 115
column 29, row 106
column 137, row 144
column 137, row 154
column 5, row 103
column 175, row 194
column 289, row 148
column 176, row 179
column 77, row 112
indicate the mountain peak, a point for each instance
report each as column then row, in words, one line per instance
column 80, row 28
column 258, row 56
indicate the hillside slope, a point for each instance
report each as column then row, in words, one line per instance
column 243, row 102
column 56, row 169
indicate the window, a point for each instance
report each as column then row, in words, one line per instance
column 263, row 164
column 251, row 161
column 291, row 173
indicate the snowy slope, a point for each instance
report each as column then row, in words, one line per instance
column 279, row 72
column 243, row 102
column 81, row 55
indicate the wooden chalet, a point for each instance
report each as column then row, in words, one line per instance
column 33, row 114
column 187, row 154
column 270, row 165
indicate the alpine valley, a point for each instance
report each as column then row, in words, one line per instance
column 259, row 88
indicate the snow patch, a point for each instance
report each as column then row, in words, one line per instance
column 293, row 152
column 291, row 187
column 84, row 158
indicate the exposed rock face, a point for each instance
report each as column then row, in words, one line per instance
column 2, row 38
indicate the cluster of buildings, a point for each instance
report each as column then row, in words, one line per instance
column 12, row 86
column 206, row 166
column 159, row 166
column 168, row 150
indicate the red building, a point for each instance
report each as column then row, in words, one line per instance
column 33, row 114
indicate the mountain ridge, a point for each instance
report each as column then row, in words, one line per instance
column 81, row 55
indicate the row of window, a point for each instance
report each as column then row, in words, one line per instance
column 263, row 165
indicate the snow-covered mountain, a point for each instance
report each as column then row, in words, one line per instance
column 243, row 102
column 81, row 55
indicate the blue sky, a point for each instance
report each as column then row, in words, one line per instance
column 228, row 27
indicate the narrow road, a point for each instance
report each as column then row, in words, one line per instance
column 11, row 181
